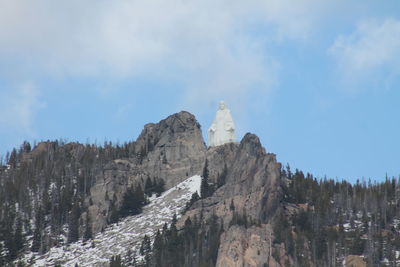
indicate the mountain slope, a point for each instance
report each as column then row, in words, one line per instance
column 123, row 236
column 252, row 212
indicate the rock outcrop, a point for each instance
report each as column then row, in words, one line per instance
column 172, row 150
column 251, row 192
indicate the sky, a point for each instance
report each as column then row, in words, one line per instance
column 317, row 81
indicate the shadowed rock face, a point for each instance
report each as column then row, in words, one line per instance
column 172, row 150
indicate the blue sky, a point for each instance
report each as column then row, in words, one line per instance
column 317, row 81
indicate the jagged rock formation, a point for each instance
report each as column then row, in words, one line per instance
column 251, row 191
column 172, row 150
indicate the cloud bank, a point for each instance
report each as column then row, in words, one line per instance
column 212, row 46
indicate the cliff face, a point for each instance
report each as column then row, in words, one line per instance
column 251, row 193
column 172, row 150
column 175, row 148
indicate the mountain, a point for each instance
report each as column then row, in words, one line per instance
column 168, row 200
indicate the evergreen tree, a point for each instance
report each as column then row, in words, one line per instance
column 157, row 249
column 116, row 261
column 133, row 201
column 73, row 225
column 222, row 177
column 18, row 236
column 88, row 228
column 205, row 187
column 193, row 199
column 145, row 250
column 148, row 187
column 232, row 205
column 37, row 234
column 159, row 187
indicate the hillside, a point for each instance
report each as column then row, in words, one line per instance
column 83, row 204
column 123, row 237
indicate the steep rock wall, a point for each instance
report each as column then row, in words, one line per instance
column 252, row 190
column 172, row 150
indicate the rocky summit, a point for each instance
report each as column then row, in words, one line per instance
column 171, row 150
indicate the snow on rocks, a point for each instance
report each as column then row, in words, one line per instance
column 125, row 235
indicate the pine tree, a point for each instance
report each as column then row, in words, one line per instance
column 140, row 197
column 232, row 205
column 193, row 199
column 129, row 203
column 18, row 236
column 37, row 234
column 159, row 186
column 205, row 170
column 222, row 177
column 148, row 187
column 133, row 201
column 73, row 225
column 88, row 228
column 145, row 250
column 205, row 187
column 116, row 261
column 157, row 249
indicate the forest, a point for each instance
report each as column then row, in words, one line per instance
column 43, row 190
column 335, row 219
column 320, row 223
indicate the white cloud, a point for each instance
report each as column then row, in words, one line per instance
column 372, row 50
column 18, row 108
column 213, row 46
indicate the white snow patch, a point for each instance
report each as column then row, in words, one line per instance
column 125, row 235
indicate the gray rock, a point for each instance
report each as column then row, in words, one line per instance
column 172, row 150
column 253, row 186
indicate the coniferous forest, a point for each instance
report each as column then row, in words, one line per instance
column 43, row 188
column 324, row 220
column 320, row 221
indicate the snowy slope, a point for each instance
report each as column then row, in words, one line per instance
column 124, row 235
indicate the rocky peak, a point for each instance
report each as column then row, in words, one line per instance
column 181, row 125
column 251, row 144
column 172, row 150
